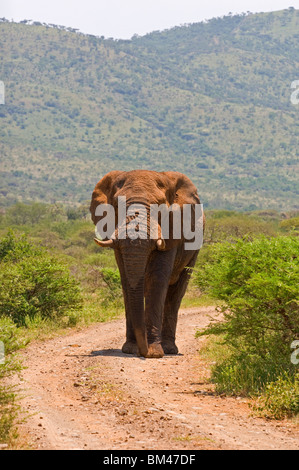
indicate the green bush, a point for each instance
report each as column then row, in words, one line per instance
column 281, row 398
column 290, row 225
column 228, row 225
column 113, row 292
column 10, row 336
column 34, row 282
column 32, row 214
column 257, row 283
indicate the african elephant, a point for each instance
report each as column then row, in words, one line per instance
column 154, row 272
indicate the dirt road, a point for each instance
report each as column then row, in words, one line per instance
column 82, row 392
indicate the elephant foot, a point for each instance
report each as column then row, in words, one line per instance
column 169, row 347
column 129, row 347
column 155, row 350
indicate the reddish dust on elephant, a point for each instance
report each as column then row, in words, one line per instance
column 154, row 271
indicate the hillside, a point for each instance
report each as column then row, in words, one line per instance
column 209, row 99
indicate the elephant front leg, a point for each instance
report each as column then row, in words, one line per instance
column 157, row 280
column 155, row 349
column 153, row 315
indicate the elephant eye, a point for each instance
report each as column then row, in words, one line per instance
column 160, row 184
column 120, row 184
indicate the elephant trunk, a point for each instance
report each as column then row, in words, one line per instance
column 136, row 302
column 135, row 260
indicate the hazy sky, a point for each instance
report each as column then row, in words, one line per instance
column 124, row 18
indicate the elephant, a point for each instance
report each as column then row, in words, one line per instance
column 154, row 271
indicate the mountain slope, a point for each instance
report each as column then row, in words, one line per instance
column 209, row 99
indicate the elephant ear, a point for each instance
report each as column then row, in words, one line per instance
column 102, row 193
column 181, row 191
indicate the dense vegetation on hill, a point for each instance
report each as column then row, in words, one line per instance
column 209, row 99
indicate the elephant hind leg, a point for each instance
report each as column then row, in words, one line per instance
column 173, row 300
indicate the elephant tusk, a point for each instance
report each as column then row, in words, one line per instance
column 161, row 244
column 104, row 244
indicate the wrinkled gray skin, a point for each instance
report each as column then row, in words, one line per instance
column 154, row 273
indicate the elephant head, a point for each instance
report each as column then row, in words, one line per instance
column 146, row 188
